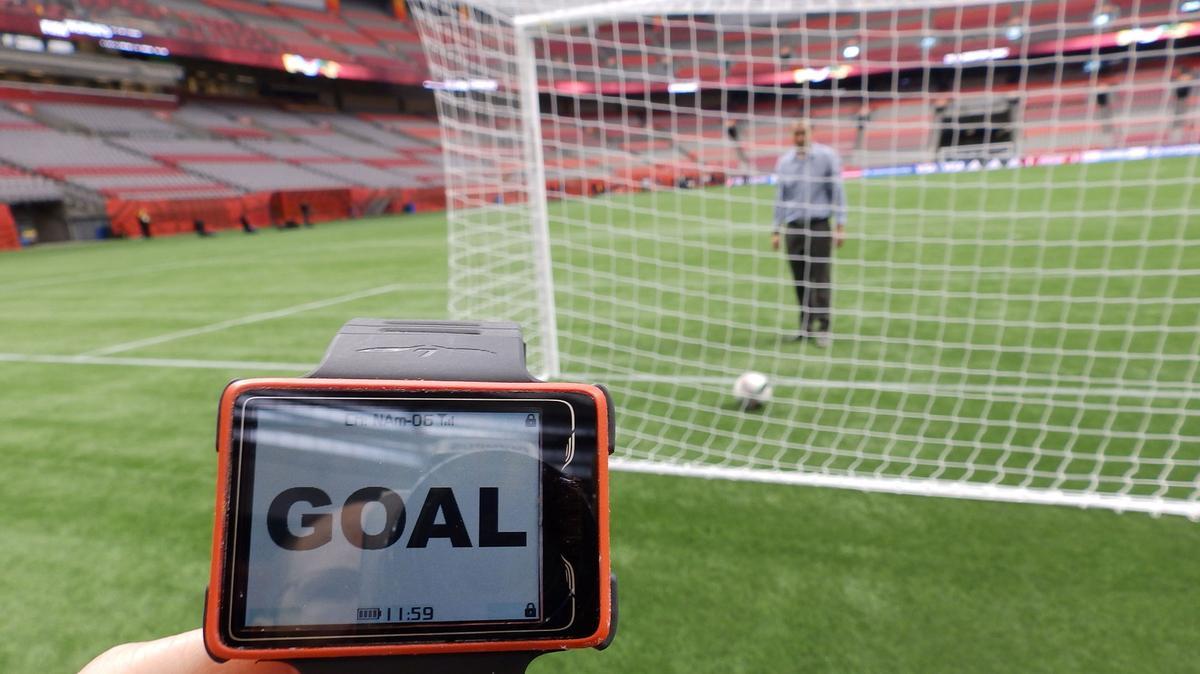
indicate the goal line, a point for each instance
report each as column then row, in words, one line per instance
column 1169, row 392
column 918, row 487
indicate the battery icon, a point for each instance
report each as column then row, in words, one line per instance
column 370, row 613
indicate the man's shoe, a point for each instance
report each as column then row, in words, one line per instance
column 822, row 340
column 798, row 337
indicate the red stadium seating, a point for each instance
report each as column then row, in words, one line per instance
column 9, row 239
column 1066, row 11
column 202, row 155
column 139, row 8
column 258, row 33
column 970, row 17
column 239, row 7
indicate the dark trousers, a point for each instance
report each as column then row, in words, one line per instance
column 809, row 245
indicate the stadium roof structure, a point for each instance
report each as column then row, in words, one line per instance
column 532, row 12
column 354, row 44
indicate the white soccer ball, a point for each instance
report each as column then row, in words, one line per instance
column 752, row 390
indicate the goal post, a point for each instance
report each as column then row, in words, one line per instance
column 499, row 252
column 1015, row 312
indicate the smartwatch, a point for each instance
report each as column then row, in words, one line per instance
column 418, row 498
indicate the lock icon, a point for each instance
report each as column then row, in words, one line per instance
column 530, row 610
column 530, row 421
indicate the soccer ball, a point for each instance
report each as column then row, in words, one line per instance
column 752, row 390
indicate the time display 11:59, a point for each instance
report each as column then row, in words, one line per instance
column 415, row 613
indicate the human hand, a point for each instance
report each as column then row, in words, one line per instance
column 839, row 235
column 179, row 654
column 774, row 240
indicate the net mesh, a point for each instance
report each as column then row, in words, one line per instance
column 1015, row 311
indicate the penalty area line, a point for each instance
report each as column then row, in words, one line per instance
column 187, row 363
column 247, row 320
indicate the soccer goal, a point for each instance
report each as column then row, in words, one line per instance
column 1016, row 308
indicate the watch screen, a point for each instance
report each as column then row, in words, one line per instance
column 388, row 511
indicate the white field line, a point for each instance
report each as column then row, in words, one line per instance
column 124, row 361
column 252, row 318
column 104, row 276
column 894, row 485
column 920, row 487
column 86, row 359
column 191, row 264
column 1172, row 391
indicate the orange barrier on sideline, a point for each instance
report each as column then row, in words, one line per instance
column 175, row 217
column 422, row 199
column 576, row 187
column 377, row 201
column 9, row 239
column 323, row 205
column 263, row 209
column 257, row 208
column 368, row 201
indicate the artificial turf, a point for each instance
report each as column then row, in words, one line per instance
column 105, row 510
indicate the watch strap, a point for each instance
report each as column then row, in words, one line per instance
column 377, row 348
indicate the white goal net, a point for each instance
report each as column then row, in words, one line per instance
column 1015, row 311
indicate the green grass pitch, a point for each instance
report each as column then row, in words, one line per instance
column 107, row 480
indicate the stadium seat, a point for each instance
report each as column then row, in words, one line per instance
column 18, row 187
column 103, row 119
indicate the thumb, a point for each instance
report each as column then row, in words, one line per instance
column 178, row 654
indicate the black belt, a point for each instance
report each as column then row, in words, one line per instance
column 808, row 221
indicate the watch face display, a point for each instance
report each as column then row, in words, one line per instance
column 367, row 510
column 380, row 517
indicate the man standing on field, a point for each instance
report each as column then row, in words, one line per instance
column 810, row 195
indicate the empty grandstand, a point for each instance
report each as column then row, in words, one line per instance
column 109, row 108
column 265, row 98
